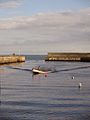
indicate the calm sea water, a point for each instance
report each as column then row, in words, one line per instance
column 55, row 97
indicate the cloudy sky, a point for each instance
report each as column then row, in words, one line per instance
column 42, row 26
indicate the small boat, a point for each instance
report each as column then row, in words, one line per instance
column 41, row 70
column 37, row 71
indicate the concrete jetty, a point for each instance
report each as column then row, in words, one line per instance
column 80, row 57
column 6, row 59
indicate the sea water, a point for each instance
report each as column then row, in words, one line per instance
column 24, row 96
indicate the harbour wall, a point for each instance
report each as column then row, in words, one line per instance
column 80, row 57
column 6, row 59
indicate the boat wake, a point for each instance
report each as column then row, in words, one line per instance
column 50, row 70
column 19, row 68
column 75, row 68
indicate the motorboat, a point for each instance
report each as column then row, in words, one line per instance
column 37, row 71
column 41, row 70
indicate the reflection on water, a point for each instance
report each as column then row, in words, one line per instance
column 55, row 97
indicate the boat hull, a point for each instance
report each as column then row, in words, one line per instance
column 36, row 71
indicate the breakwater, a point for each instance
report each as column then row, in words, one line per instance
column 80, row 57
column 6, row 59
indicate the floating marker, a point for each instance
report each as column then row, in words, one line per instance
column 72, row 77
column 80, row 85
column 46, row 75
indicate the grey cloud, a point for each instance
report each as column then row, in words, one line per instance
column 10, row 3
column 64, row 31
column 51, row 20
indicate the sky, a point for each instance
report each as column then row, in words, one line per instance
column 42, row 26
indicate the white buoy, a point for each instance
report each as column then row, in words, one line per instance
column 72, row 77
column 80, row 85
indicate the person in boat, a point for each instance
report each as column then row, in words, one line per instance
column 38, row 67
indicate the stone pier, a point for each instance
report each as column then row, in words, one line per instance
column 6, row 59
column 81, row 57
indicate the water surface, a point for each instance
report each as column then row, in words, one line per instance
column 55, row 97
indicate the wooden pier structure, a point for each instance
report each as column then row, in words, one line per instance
column 80, row 57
